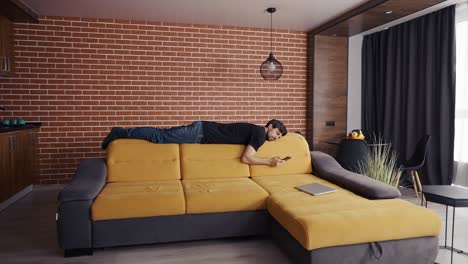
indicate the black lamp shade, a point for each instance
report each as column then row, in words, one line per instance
column 271, row 69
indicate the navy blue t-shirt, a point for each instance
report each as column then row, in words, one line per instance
column 235, row 133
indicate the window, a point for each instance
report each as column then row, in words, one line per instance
column 461, row 100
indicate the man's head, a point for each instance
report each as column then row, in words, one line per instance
column 275, row 129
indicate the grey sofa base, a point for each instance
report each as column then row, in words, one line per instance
column 421, row 250
column 161, row 229
column 68, row 253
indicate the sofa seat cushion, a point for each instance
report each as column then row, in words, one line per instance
column 343, row 218
column 283, row 184
column 223, row 195
column 139, row 199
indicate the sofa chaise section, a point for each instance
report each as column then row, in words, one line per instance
column 342, row 218
column 362, row 222
column 420, row 250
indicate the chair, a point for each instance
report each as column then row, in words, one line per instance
column 353, row 154
column 416, row 162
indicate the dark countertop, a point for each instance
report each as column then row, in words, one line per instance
column 8, row 129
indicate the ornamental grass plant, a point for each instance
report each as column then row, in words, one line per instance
column 382, row 164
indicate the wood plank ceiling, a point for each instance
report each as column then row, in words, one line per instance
column 16, row 11
column 370, row 15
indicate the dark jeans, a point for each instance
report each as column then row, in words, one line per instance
column 181, row 134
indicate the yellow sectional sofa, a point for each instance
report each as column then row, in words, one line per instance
column 152, row 193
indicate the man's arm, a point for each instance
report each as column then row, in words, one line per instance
column 248, row 157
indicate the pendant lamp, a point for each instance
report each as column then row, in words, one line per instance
column 271, row 69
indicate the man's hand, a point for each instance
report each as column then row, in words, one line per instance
column 248, row 157
column 276, row 161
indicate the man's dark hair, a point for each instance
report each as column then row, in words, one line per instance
column 279, row 125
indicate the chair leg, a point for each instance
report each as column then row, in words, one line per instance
column 414, row 184
column 416, row 175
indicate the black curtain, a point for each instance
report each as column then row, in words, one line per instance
column 408, row 89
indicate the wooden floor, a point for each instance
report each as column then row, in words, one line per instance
column 28, row 235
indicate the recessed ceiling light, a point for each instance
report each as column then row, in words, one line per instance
column 389, row 12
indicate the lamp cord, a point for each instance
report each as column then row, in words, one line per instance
column 271, row 32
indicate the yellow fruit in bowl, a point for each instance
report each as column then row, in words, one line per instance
column 361, row 135
column 356, row 135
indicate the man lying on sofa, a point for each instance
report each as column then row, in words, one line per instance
column 250, row 135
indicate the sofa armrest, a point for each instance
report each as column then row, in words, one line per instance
column 327, row 168
column 87, row 183
column 74, row 223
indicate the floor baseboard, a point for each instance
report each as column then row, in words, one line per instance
column 5, row 204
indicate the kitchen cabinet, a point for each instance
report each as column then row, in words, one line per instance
column 17, row 161
column 6, row 47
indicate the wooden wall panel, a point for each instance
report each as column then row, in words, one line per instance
column 330, row 83
column 327, row 65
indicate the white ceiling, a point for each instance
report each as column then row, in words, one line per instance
column 301, row 15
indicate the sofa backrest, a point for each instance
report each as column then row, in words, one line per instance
column 140, row 160
column 293, row 145
column 201, row 161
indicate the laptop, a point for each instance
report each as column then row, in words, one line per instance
column 316, row 189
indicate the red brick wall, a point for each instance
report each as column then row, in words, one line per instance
column 80, row 77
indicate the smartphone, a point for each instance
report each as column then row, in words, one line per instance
column 287, row 158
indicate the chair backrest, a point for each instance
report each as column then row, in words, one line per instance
column 419, row 155
column 352, row 154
